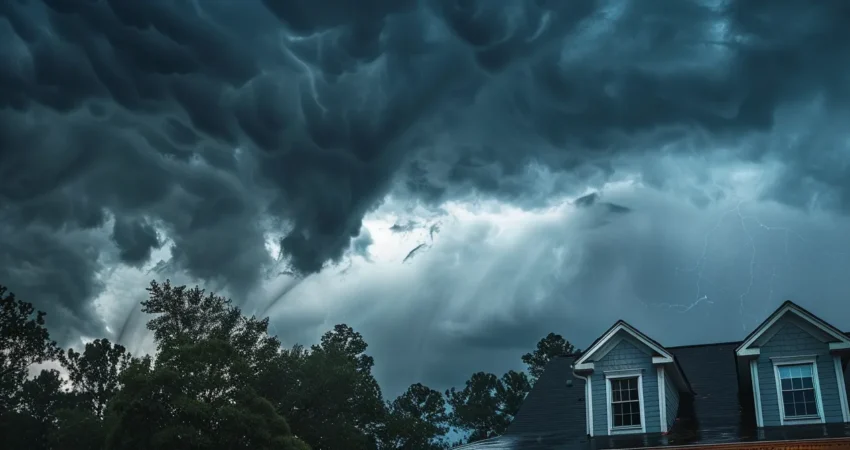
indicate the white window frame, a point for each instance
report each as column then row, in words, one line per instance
column 793, row 361
column 619, row 375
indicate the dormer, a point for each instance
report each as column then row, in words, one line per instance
column 632, row 383
column 796, row 367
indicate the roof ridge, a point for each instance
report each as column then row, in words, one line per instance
column 703, row 345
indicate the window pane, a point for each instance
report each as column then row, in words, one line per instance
column 784, row 372
column 617, row 408
column 615, row 396
column 786, row 384
column 799, row 397
column 797, row 383
column 787, row 396
column 809, row 396
column 807, row 383
column 811, row 408
column 789, row 410
column 805, row 370
column 618, row 420
column 636, row 418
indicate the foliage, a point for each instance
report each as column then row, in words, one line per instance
column 24, row 341
column 196, row 397
column 549, row 347
column 487, row 404
column 218, row 380
column 94, row 373
column 337, row 403
column 417, row 419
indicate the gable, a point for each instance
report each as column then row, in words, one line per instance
column 621, row 330
column 623, row 342
column 791, row 313
column 791, row 327
column 624, row 354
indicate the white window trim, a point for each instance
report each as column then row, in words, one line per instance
column 590, row 404
column 842, row 389
column 625, row 374
column 794, row 361
column 754, row 376
column 662, row 399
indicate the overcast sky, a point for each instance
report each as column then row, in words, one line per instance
column 454, row 179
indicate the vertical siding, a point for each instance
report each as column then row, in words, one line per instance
column 792, row 340
column 626, row 355
column 672, row 396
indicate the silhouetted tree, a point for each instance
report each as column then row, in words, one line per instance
column 416, row 420
column 24, row 341
column 94, row 373
column 549, row 347
column 487, row 404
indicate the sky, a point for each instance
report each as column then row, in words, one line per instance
column 453, row 178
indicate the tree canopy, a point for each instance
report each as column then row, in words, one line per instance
column 219, row 380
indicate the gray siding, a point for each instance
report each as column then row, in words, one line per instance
column 792, row 340
column 672, row 396
column 626, row 355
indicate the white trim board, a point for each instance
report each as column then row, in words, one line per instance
column 815, row 382
column 790, row 307
column 842, row 389
column 754, row 377
column 662, row 398
column 625, row 374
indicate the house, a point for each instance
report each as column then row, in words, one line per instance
column 783, row 386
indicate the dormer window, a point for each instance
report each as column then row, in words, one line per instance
column 625, row 402
column 799, row 391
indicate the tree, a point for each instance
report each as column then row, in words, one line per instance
column 549, row 347
column 335, row 402
column 33, row 420
column 94, row 374
column 197, row 397
column 416, row 420
column 487, row 404
column 24, row 341
column 190, row 315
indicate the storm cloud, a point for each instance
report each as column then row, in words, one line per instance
column 219, row 130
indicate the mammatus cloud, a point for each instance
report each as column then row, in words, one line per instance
column 201, row 129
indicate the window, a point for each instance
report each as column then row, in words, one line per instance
column 797, row 385
column 625, row 403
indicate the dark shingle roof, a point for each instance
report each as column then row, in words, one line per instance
column 552, row 406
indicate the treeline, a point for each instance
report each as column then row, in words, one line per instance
column 218, row 380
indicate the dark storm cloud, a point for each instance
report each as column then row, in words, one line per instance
column 135, row 240
column 212, row 119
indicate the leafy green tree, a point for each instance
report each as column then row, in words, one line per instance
column 416, row 420
column 549, row 347
column 94, row 373
column 487, row 404
column 186, row 315
column 24, row 341
column 334, row 401
column 196, row 397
